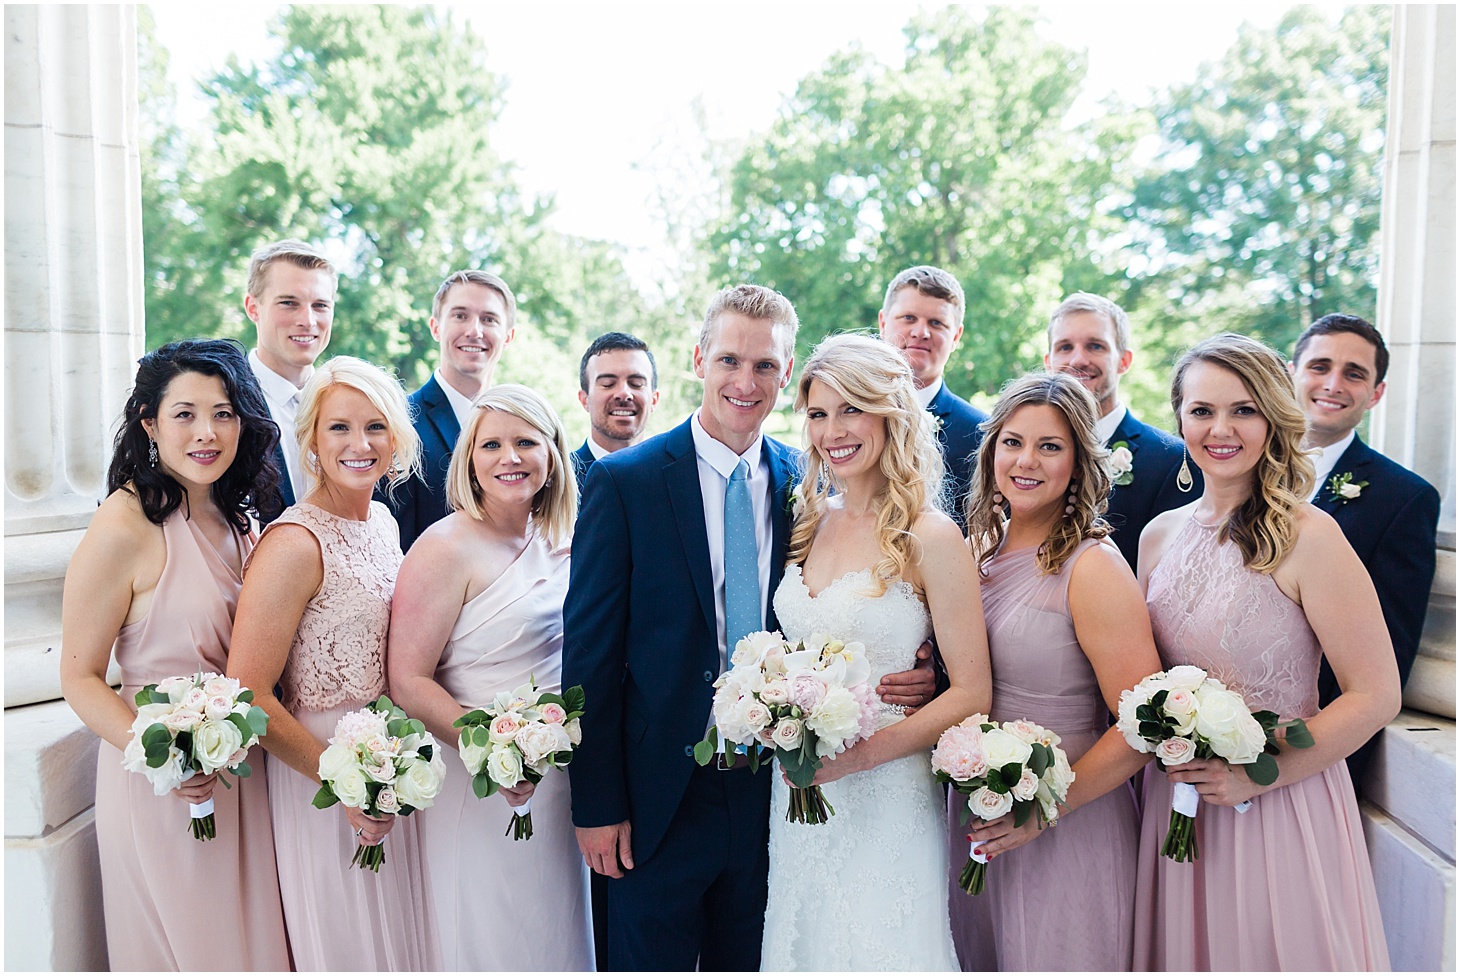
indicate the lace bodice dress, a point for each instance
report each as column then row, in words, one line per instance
column 1286, row 885
column 867, row 890
column 339, row 917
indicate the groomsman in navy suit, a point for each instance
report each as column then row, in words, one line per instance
column 644, row 629
column 922, row 315
column 1090, row 338
column 618, row 384
column 1388, row 513
column 473, row 318
column 291, row 301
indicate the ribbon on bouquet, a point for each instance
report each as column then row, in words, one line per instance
column 1184, row 800
column 974, row 854
column 201, row 810
column 525, row 809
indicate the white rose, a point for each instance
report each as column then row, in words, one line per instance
column 386, row 801
column 1181, row 705
column 170, row 775
column 214, row 743
column 776, row 692
column 788, row 734
column 575, row 731
column 504, row 766
column 538, row 742
column 194, row 700
column 1126, row 720
column 134, row 757
column 1174, row 752
column 754, row 715
column 1349, row 490
column 1059, row 776
column 835, row 720
column 1027, row 785
column 420, row 781
column 182, row 720
column 351, row 787
column 335, row 760
column 380, row 772
column 988, row 805
column 1241, row 744
column 221, row 687
column 1218, row 711
column 472, row 755
column 1186, row 676
column 1120, row 461
column 218, row 707
column 1003, row 748
column 175, row 688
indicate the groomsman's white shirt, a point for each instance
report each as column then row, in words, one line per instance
column 716, row 464
column 1106, row 426
column 1323, row 461
column 282, row 397
column 460, row 402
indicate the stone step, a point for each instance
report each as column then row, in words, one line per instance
column 1416, row 889
column 53, row 914
column 50, row 769
column 1412, row 778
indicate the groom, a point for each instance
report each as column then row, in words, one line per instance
column 645, row 623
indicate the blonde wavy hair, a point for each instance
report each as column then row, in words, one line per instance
column 1264, row 527
column 872, row 376
column 384, row 393
column 1090, row 476
column 555, row 506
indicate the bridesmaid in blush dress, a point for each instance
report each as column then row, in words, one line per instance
column 1256, row 586
column 155, row 580
column 1067, row 634
column 479, row 610
column 313, row 619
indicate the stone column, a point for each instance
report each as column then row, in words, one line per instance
column 73, row 331
column 1410, row 816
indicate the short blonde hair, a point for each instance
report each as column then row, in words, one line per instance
column 555, row 506
column 384, row 393
column 754, row 302
column 290, row 251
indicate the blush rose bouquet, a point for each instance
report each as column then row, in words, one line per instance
column 203, row 723
column 1017, row 767
column 804, row 702
column 1185, row 714
column 381, row 762
column 519, row 737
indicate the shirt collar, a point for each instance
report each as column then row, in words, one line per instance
column 720, row 457
column 1326, row 458
column 928, row 393
column 598, row 451
column 460, row 403
column 1106, row 426
column 276, row 387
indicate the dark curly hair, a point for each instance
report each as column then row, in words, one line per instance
column 251, row 476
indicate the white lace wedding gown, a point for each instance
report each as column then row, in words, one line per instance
column 868, row 889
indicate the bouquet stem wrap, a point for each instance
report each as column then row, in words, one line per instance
column 520, row 826
column 971, row 878
column 1180, row 842
column 202, row 820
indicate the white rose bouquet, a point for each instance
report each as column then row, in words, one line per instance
column 806, row 702
column 1183, row 714
column 521, row 735
column 383, row 763
column 204, row 723
column 1017, row 767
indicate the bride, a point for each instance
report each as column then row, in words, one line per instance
column 873, row 560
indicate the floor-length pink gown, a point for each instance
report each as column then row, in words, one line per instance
column 1287, row 884
column 342, row 917
column 1065, row 900
column 502, row 904
column 172, row 902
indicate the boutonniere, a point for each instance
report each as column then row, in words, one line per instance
column 793, row 501
column 1122, row 463
column 1342, row 488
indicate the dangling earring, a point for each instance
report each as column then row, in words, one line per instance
column 998, row 498
column 151, row 453
column 1070, row 502
column 1184, row 480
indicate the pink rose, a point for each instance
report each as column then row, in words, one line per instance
column 218, row 707
column 553, row 713
column 1175, row 751
column 807, row 691
column 787, row 734
column 504, row 728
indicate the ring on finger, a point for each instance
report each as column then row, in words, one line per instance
column 359, row 831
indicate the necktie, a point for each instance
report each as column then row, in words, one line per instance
column 742, row 564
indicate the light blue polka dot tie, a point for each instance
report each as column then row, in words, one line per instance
column 742, row 565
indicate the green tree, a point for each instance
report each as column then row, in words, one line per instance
column 962, row 156
column 1260, row 210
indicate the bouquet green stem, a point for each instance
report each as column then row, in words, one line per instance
column 1180, row 842
column 201, row 821
column 369, row 856
column 971, row 879
column 808, row 805
column 521, row 825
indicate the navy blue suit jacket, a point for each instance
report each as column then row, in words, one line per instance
column 1391, row 526
column 582, row 459
column 639, row 630
column 958, row 438
column 421, row 501
column 1155, row 458
column 272, row 504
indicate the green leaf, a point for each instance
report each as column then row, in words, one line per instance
column 480, row 736
column 474, row 717
column 245, row 695
column 1021, row 811
column 240, row 723
column 325, row 797
column 426, row 751
column 704, row 752
column 258, row 721
column 243, row 770
column 1297, row 734
column 1263, row 770
column 1041, row 758
column 800, row 764
column 144, row 697
column 482, row 786
column 548, row 696
column 574, row 699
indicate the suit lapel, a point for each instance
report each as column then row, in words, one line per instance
column 286, row 487
column 1129, row 431
column 1354, row 460
column 682, row 480
column 783, row 471
column 440, row 415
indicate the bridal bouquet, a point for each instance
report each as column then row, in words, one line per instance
column 204, row 724
column 1016, row 767
column 807, row 702
column 1183, row 714
column 380, row 762
column 520, row 736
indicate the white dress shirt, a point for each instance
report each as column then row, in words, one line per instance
column 1323, row 461
column 716, row 464
column 460, row 402
column 1105, row 427
column 926, row 394
column 598, row 451
column 282, row 397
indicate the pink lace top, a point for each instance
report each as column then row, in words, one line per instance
column 338, row 655
column 1210, row 610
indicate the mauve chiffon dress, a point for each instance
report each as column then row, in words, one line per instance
column 1287, row 884
column 172, row 902
column 1065, row 900
column 342, row 917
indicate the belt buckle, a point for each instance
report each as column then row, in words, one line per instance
column 730, row 760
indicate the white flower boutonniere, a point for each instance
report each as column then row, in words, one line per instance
column 1122, row 463
column 1342, row 488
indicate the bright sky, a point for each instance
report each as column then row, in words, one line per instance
column 597, row 90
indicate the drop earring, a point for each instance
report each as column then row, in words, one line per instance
column 1070, row 502
column 151, row 453
column 998, row 498
column 1184, row 480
